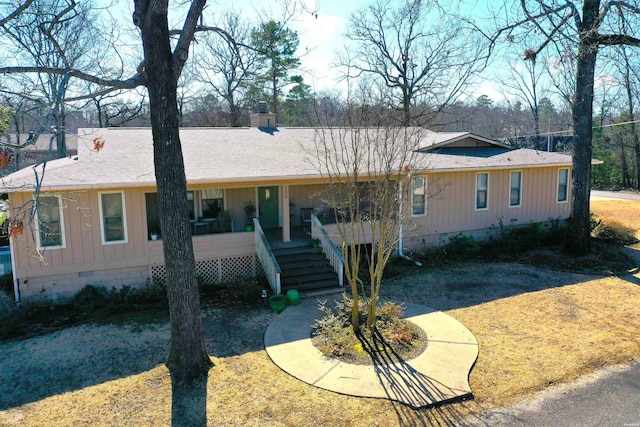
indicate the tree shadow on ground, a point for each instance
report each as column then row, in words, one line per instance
column 403, row 382
column 90, row 354
column 189, row 402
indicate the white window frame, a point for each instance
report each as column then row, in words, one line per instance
column 63, row 240
column 475, row 194
column 124, row 218
column 566, row 198
column 424, row 207
column 519, row 189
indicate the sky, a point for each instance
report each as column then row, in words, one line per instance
column 321, row 38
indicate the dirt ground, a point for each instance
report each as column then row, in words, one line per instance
column 535, row 327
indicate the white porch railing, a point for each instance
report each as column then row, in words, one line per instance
column 266, row 257
column 333, row 254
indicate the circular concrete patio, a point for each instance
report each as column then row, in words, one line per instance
column 438, row 375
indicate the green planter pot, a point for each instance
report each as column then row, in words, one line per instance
column 277, row 303
column 293, row 297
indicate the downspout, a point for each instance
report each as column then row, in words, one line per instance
column 16, row 288
column 400, row 234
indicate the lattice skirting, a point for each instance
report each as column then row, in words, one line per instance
column 222, row 270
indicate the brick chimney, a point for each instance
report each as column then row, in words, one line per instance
column 263, row 119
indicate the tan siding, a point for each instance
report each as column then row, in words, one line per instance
column 305, row 196
column 236, row 200
column 451, row 203
column 136, row 225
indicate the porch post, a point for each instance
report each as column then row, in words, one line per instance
column 286, row 221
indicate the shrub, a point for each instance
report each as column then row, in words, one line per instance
column 10, row 315
column 8, row 306
column 89, row 299
column 334, row 337
column 6, row 283
column 461, row 245
column 241, row 291
column 614, row 231
column 525, row 238
column 556, row 233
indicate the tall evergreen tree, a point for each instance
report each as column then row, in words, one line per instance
column 276, row 46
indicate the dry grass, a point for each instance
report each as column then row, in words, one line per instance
column 625, row 211
column 535, row 327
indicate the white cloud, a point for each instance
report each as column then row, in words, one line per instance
column 319, row 39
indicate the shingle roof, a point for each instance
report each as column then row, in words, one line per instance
column 445, row 159
column 219, row 155
column 41, row 144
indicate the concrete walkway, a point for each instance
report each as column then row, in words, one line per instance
column 613, row 195
column 438, row 375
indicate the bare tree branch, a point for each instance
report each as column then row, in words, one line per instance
column 16, row 12
column 130, row 83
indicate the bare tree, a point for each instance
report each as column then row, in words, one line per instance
column 419, row 54
column 524, row 82
column 227, row 66
column 188, row 361
column 58, row 34
column 5, row 117
column 593, row 26
column 112, row 109
column 630, row 81
column 366, row 163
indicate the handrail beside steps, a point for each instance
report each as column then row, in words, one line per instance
column 267, row 258
column 335, row 257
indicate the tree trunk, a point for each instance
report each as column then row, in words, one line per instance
column 406, row 109
column 61, row 131
column 579, row 238
column 632, row 114
column 234, row 113
column 274, row 95
column 637, row 152
column 626, row 179
column 188, row 359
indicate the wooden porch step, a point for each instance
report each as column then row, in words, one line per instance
column 296, row 250
column 309, row 260
column 309, row 278
column 312, row 286
column 305, row 268
column 294, row 270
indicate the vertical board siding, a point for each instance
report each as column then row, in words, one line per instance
column 451, row 202
column 450, row 209
column 83, row 243
column 236, row 200
column 305, row 196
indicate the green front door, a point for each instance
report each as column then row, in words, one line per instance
column 268, row 206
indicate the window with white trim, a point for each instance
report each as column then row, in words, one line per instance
column 50, row 222
column 113, row 219
column 515, row 189
column 563, row 185
column 482, row 191
column 419, row 195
